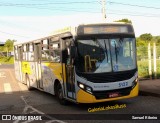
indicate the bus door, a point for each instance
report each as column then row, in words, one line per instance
column 38, row 65
column 70, row 81
column 68, row 70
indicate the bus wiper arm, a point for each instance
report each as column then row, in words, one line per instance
column 116, row 53
column 106, row 51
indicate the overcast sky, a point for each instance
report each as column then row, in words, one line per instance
column 31, row 19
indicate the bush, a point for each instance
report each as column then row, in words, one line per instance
column 143, row 69
column 7, row 60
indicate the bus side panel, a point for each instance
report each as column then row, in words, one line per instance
column 51, row 72
column 18, row 71
column 32, row 75
column 29, row 68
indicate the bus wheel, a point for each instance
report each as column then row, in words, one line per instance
column 28, row 82
column 60, row 95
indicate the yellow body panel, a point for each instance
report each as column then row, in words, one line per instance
column 84, row 97
column 64, row 73
column 56, row 69
column 26, row 68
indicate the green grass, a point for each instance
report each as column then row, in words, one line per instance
column 7, row 60
column 143, row 69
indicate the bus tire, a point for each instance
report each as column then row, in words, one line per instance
column 28, row 82
column 60, row 96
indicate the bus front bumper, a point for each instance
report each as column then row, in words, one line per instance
column 84, row 97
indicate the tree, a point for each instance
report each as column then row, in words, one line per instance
column 9, row 45
column 124, row 20
column 141, row 48
column 140, row 42
column 1, row 48
column 146, row 37
column 157, row 38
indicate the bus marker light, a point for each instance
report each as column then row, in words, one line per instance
column 89, row 90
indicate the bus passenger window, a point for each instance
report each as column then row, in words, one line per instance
column 16, row 53
column 31, row 52
column 55, row 51
column 45, row 50
column 45, row 55
column 55, row 56
column 24, row 54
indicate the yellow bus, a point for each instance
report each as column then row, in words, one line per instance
column 88, row 63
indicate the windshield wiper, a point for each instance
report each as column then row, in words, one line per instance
column 118, row 48
column 105, row 48
column 106, row 51
column 116, row 53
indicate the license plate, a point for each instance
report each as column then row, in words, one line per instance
column 111, row 95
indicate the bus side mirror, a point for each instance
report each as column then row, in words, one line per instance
column 73, row 52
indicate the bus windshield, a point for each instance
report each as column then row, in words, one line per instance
column 106, row 55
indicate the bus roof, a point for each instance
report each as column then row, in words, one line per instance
column 43, row 38
column 71, row 29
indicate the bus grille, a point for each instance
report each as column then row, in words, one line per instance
column 105, row 94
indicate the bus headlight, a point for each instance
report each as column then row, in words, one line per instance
column 137, row 80
column 81, row 86
column 85, row 87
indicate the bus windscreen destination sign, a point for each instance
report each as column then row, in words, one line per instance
column 105, row 29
